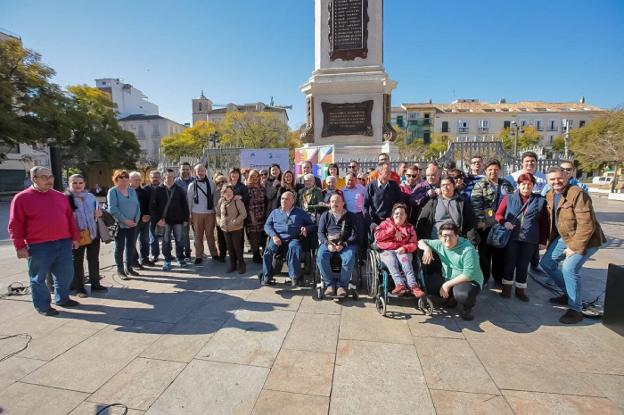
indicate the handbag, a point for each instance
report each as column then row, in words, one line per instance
column 85, row 237
column 104, row 231
column 499, row 235
column 159, row 230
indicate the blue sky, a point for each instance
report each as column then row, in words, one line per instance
column 249, row 50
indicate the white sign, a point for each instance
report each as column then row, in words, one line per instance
column 262, row 158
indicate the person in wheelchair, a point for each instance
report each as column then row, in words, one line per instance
column 461, row 278
column 397, row 239
column 337, row 235
column 285, row 227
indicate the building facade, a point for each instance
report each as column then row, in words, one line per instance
column 150, row 130
column 466, row 119
column 128, row 99
column 203, row 110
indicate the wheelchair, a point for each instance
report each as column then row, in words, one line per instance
column 307, row 263
column 336, row 264
column 379, row 283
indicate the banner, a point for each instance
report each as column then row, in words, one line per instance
column 262, row 158
column 319, row 156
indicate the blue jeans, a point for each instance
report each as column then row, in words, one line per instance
column 125, row 242
column 397, row 263
column 142, row 235
column 154, row 242
column 178, row 235
column 567, row 278
column 53, row 257
column 347, row 255
column 293, row 258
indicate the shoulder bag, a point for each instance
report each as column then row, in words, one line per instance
column 160, row 230
column 499, row 235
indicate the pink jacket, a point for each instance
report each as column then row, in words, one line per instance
column 385, row 236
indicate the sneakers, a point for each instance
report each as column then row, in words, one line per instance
column 521, row 294
column 50, row 312
column 81, row 294
column 561, row 300
column 198, row 261
column 399, row 290
column 147, row 262
column 122, row 274
column 132, row 272
column 182, row 263
column 416, row 291
column 68, row 303
column 571, row 317
column 99, row 289
column 467, row 314
column 293, row 282
column 330, row 291
column 341, row 292
column 166, row 266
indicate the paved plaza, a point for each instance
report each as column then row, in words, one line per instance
column 199, row 341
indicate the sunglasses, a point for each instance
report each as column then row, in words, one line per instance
column 123, row 176
column 566, row 169
column 352, row 166
column 264, row 174
column 410, row 175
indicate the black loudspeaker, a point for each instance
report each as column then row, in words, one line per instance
column 613, row 316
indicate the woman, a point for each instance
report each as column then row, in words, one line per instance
column 272, row 187
column 236, row 181
column 254, row 224
column 486, row 196
column 524, row 213
column 220, row 181
column 362, row 179
column 333, row 170
column 123, row 204
column 287, row 185
column 86, row 212
column 397, row 238
column 231, row 215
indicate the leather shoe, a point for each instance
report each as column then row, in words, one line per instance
column 68, row 303
column 561, row 300
column 571, row 317
column 50, row 312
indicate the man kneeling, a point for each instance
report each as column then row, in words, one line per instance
column 337, row 235
column 284, row 226
column 462, row 277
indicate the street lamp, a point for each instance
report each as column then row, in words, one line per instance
column 517, row 128
column 566, row 136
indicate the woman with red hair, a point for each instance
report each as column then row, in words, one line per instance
column 524, row 213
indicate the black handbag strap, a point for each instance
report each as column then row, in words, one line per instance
column 521, row 209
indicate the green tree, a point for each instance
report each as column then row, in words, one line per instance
column 254, row 130
column 32, row 109
column 527, row 138
column 189, row 142
column 439, row 144
column 558, row 144
column 601, row 142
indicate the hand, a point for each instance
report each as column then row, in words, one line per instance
column 339, row 247
column 23, row 253
column 145, row 218
column 277, row 241
column 480, row 225
column 98, row 213
column 431, row 193
column 427, row 257
column 401, row 250
column 331, row 247
column 398, row 236
column 510, row 226
column 130, row 223
column 304, row 231
column 438, row 191
column 568, row 252
column 184, row 223
column 161, row 222
column 75, row 244
column 444, row 291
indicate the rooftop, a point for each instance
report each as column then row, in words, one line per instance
column 521, row 106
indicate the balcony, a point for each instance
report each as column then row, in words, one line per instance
column 462, row 129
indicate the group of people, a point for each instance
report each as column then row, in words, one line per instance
column 445, row 216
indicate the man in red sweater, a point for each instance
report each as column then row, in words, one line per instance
column 43, row 229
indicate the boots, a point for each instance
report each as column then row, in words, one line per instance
column 521, row 294
column 242, row 268
column 506, row 291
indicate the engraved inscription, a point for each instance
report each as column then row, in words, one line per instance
column 347, row 119
column 348, row 25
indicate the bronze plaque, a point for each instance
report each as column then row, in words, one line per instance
column 347, row 119
column 348, row 29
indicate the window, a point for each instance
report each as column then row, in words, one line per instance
column 484, row 126
column 550, row 139
column 552, row 125
column 399, row 121
column 155, row 131
column 523, row 123
column 539, row 124
column 581, row 123
column 412, row 116
column 462, row 126
column 427, row 137
column 506, row 124
column 199, row 107
column 445, row 128
column 141, row 133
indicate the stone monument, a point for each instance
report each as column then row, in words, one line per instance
column 348, row 94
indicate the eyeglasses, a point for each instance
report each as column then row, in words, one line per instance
column 566, row 169
column 45, row 177
column 352, row 166
column 123, row 176
column 77, row 182
column 410, row 175
column 264, row 174
column 447, row 236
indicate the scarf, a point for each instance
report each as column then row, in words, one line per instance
column 85, row 211
column 207, row 193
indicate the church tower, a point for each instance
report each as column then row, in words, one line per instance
column 201, row 108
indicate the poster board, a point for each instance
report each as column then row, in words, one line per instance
column 319, row 156
column 262, row 158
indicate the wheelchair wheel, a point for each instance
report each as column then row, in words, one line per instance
column 320, row 294
column 380, row 305
column 372, row 273
column 355, row 294
column 425, row 305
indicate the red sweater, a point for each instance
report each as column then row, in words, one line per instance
column 385, row 236
column 37, row 217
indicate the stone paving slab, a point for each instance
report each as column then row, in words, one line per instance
column 91, row 408
column 545, row 403
column 302, row 372
column 212, row 388
column 362, row 322
column 283, row 403
column 455, row 403
column 15, row 368
column 56, row 342
column 314, row 333
column 24, row 398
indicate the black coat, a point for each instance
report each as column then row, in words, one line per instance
column 144, row 194
column 466, row 224
column 178, row 211
column 378, row 204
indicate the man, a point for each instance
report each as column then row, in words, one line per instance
column 425, row 190
column 574, row 236
column 154, row 240
column 329, row 191
column 461, row 278
column 353, row 195
column 381, row 195
column 202, row 198
column 306, row 167
column 141, row 255
column 569, row 171
column 460, row 182
column 337, row 234
column 43, row 229
column 401, row 171
column 184, row 180
column 354, row 167
column 486, row 196
column 476, row 174
column 382, row 159
column 412, row 179
column 284, row 227
column 169, row 209
column 529, row 165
